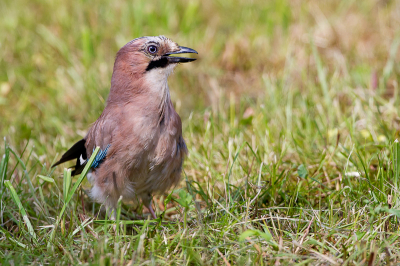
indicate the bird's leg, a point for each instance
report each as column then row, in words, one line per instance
column 146, row 200
column 151, row 211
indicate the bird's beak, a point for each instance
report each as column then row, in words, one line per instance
column 182, row 50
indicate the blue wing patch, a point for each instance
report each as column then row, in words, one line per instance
column 100, row 157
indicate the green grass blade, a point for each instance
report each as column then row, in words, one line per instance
column 26, row 175
column 82, row 176
column 3, row 172
column 66, row 183
column 46, row 178
column 396, row 162
column 21, row 208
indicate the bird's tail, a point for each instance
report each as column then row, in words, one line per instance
column 78, row 152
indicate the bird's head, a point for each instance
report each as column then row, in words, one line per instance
column 145, row 55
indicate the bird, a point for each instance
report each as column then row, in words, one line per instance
column 139, row 132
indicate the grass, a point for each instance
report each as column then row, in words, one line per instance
column 290, row 115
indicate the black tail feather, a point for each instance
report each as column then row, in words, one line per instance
column 78, row 168
column 75, row 152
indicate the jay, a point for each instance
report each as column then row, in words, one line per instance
column 139, row 132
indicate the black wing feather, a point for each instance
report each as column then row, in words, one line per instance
column 78, row 168
column 75, row 152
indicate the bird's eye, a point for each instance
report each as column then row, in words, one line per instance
column 152, row 49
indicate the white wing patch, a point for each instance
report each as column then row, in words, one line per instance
column 81, row 160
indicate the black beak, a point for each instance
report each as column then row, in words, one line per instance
column 182, row 50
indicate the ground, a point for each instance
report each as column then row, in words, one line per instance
column 290, row 115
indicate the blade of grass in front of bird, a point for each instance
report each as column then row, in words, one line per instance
column 66, row 182
column 66, row 185
column 72, row 191
column 21, row 208
column 83, row 175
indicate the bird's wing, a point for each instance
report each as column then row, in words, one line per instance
column 100, row 134
column 78, row 152
column 102, row 131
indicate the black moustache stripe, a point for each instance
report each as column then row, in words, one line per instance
column 160, row 63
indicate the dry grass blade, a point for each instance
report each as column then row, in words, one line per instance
column 223, row 257
column 304, row 235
